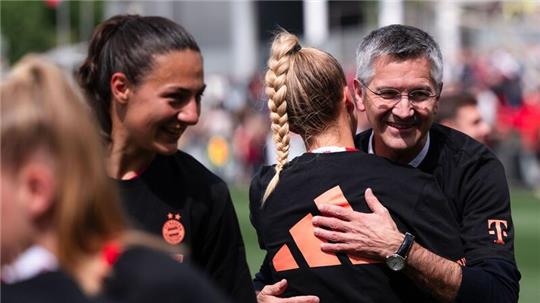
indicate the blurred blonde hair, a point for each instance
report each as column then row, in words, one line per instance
column 304, row 87
column 42, row 110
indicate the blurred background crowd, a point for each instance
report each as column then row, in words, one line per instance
column 491, row 51
column 491, row 82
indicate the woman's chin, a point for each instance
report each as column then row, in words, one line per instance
column 167, row 149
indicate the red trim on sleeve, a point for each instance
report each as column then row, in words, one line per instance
column 110, row 253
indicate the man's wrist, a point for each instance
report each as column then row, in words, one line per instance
column 398, row 259
column 394, row 242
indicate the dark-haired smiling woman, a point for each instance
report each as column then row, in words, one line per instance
column 144, row 79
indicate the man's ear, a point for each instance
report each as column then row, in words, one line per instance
column 351, row 109
column 39, row 184
column 348, row 99
column 120, row 87
column 358, row 96
column 435, row 109
column 437, row 100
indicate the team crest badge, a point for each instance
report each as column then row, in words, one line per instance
column 173, row 231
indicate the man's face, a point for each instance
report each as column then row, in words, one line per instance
column 400, row 127
column 469, row 121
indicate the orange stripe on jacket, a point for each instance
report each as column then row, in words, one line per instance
column 309, row 245
column 335, row 196
column 284, row 260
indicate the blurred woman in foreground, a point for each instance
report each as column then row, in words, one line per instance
column 61, row 216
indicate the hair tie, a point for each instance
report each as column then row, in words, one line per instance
column 297, row 47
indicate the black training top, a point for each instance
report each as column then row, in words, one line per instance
column 139, row 275
column 143, row 275
column 47, row 287
column 473, row 180
column 180, row 200
column 285, row 231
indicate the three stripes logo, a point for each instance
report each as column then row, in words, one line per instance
column 309, row 245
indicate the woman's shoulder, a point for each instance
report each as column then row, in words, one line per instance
column 191, row 168
column 151, row 275
column 186, row 160
column 53, row 286
column 149, row 263
column 258, row 185
column 264, row 174
column 451, row 149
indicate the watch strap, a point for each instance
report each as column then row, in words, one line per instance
column 406, row 245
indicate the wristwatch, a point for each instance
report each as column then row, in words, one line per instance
column 396, row 261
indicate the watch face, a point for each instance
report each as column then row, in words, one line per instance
column 395, row 262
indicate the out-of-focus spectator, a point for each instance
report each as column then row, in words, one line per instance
column 487, row 103
column 509, row 85
column 527, row 123
column 249, row 143
column 460, row 111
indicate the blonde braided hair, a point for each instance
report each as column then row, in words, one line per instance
column 304, row 88
column 283, row 47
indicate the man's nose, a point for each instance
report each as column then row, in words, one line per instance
column 403, row 108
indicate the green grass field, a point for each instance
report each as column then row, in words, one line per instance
column 526, row 215
column 525, row 212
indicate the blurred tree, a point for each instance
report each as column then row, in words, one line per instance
column 26, row 26
column 30, row 26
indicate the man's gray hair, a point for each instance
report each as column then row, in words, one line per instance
column 401, row 42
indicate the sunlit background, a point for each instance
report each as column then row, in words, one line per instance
column 491, row 49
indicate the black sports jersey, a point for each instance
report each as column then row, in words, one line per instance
column 139, row 275
column 285, row 231
column 47, row 287
column 473, row 180
column 180, row 200
column 143, row 275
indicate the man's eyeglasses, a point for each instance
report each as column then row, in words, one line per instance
column 392, row 96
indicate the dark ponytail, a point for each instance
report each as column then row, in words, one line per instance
column 126, row 44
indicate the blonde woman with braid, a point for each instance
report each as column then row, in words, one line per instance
column 308, row 95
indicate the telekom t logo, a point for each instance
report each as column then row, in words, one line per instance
column 500, row 230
